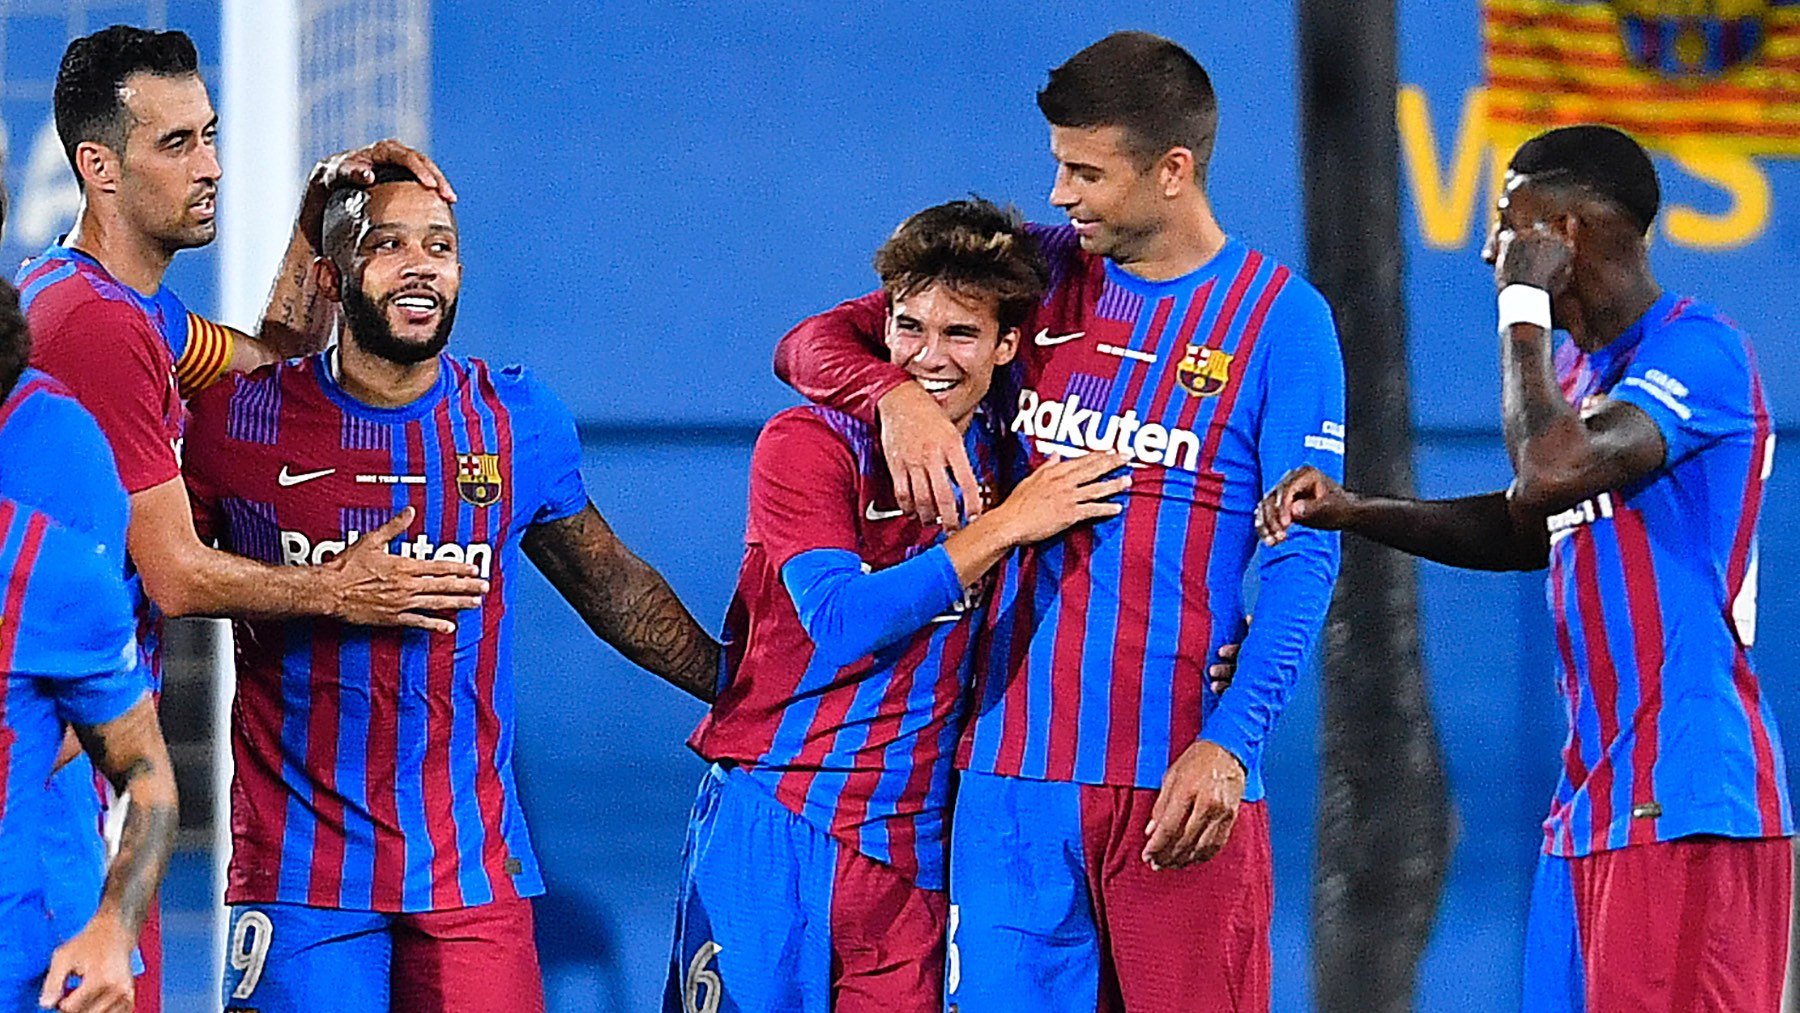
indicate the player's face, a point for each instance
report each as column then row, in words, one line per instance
column 1110, row 198
column 406, row 272
column 169, row 172
column 951, row 343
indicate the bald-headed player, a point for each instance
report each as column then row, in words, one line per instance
column 1641, row 445
column 380, row 859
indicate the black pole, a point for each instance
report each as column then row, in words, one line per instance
column 1384, row 817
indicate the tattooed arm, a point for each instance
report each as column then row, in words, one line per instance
column 130, row 751
column 624, row 601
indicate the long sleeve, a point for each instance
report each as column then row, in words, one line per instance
column 1301, row 423
column 836, row 358
column 849, row 613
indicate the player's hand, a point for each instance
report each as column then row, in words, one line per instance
column 1220, row 674
column 1196, row 808
column 357, row 167
column 1542, row 256
column 927, row 459
column 1062, row 494
column 377, row 588
column 1304, row 496
column 100, row 955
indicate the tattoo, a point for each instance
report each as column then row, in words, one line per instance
column 624, row 601
column 130, row 751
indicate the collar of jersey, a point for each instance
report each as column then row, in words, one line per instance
column 1603, row 361
column 1228, row 257
column 321, row 368
column 145, row 302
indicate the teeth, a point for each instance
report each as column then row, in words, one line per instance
column 416, row 303
column 936, row 386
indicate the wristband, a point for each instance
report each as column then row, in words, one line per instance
column 1524, row 304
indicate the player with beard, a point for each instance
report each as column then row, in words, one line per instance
column 380, row 859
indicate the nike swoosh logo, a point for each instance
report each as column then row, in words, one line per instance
column 287, row 478
column 1045, row 339
column 882, row 515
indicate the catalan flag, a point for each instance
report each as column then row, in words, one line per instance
column 1673, row 73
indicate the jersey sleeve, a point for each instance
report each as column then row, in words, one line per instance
column 849, row 612
column 205, row 356
column 802, row 488
column 1301, row 423
column 76, row 630
column 125, row 389
column 1693, row 379
column 58, row 461
column 837, row 358
column 553, row 453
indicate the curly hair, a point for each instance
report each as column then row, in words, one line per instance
column 973, row 247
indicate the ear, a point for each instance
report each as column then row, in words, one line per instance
column 98, row 166
column 1006, row 347
column 1175, row 171
column 327, row 277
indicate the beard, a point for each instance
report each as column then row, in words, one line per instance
column 367, row 324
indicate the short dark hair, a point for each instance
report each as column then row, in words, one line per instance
column 971, row 246
column 1599, row 158
column 15, row 340
column 1144, row 84
column 339, row 213
column 94, row 68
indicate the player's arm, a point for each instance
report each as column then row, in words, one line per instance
column 849, row 613
column 624, row 601
column 129, row 750
column 364, row 585
column 299, row 316
column 1560, row 456
column 1300, row 421
column 1485, row 532
column 837, row 359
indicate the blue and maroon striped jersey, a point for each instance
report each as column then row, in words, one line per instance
column 113, row 348
column 1215, row 384
column 54, row 458
column 861, row 750
column 1653, row 591
column 374, row 766
column 67, row 654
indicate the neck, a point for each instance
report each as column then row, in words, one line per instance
column 1596, row 314
column 1183, row 245
column 128, row 255
column 382, row 383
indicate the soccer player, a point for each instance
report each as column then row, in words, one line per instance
column 1640, row 443
column 1110, row 843
column 380, row 859
column 815, row 862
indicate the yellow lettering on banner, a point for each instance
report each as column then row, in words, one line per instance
column 1446, row 205
column 1445, row 196
column 1742, row 180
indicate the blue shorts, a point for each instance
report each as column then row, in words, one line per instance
column 775, row 916
column 289, row 958
column 1053, row 909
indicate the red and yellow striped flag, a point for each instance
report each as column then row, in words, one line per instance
column 1673, row 73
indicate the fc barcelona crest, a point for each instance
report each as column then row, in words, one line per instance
column 1692, row 38
column 478, row 478
column 1204, row 372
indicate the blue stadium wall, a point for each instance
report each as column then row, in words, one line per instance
column 653, row 193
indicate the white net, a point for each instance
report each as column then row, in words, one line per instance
column 365, row 73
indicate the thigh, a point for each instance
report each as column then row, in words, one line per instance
column 887, row 939
column 1698, row 924
column 287, row 958
column 1182, row 939
column 1022, row 932
column 480, row 959
column 1554, row 974
column 752, row 923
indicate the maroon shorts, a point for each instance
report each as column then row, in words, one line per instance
column 1698, row 924
column 1053, row 908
